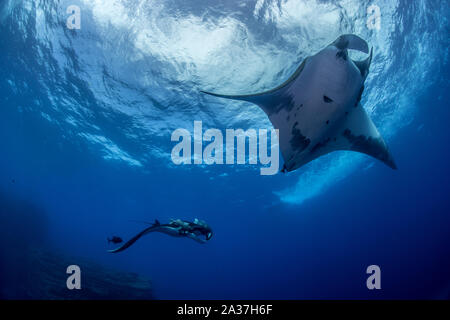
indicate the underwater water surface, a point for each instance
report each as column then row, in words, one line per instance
column 86, row 118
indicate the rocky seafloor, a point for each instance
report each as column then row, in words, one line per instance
column 29, row 269
column 47, row 280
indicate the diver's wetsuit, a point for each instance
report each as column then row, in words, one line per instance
column 194, row 228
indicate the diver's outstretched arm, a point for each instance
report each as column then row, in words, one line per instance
column 135, row 238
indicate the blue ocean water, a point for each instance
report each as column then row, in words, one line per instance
column 85, row 123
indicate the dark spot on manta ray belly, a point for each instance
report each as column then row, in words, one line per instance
column 327, row 99
column 285, row 103
column 298, row 141
column 320, row 145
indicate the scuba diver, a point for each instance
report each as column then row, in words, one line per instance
column 197, row 230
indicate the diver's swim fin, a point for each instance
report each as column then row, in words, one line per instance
column 134, row 239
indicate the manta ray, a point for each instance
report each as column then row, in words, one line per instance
column 318, row 109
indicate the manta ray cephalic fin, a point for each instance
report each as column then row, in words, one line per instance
column 351, row 41
column 364, row 65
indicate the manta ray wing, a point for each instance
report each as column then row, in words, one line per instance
column 360, row 134
column 270, row 101
column 355, row 133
